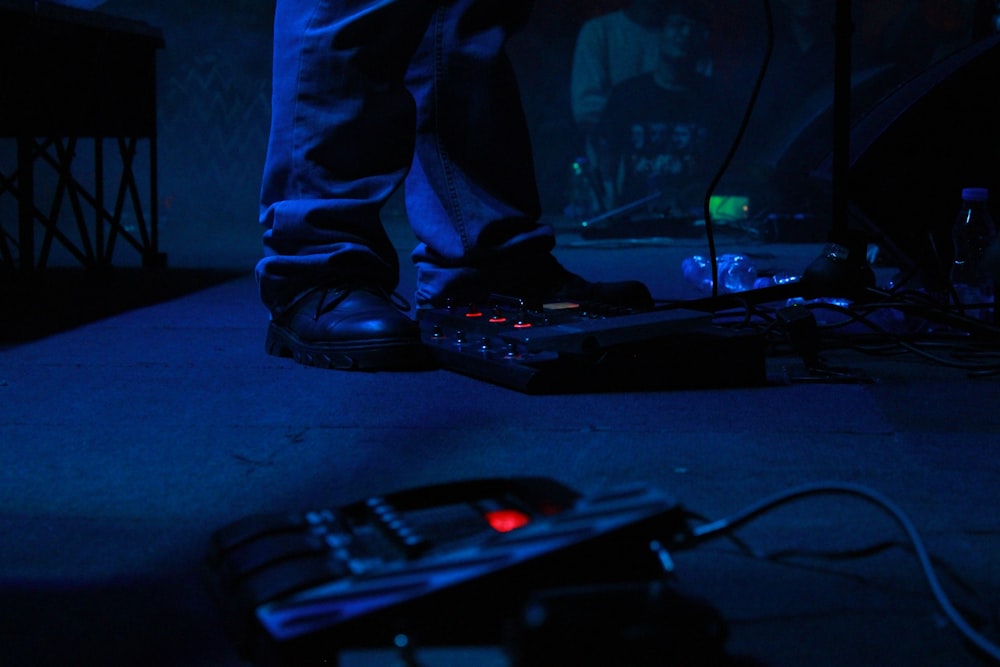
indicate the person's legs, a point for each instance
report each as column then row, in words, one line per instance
column 471, row 195
column 345, row 133
column 341, row 142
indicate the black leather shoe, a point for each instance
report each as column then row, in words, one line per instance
column 352, row 327
column 626, row 293
column 556, row 283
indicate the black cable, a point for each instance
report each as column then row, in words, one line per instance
column 754, row 94
column 798, row 558
column 880, row 547
column 911, row 346
column 766, row 319
column 748, row 514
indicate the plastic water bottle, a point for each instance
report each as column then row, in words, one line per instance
column 973, row 232
column 778, row 278
column 736, row 272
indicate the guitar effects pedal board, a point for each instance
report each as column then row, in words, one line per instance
column 447, row 564
column 571, row 347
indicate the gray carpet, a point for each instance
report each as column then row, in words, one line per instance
column 126, row 440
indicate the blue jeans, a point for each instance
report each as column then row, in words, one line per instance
column 369, row 93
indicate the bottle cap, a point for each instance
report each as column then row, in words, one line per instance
column 975, row 194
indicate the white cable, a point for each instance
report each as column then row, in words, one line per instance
column 717, row 528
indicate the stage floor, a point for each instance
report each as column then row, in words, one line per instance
column 127, row 439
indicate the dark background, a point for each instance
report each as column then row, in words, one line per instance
column 214, row 87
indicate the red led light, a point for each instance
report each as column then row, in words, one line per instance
column 474, row 313
column 498, row 320
column 522, row 325
column 504, row 521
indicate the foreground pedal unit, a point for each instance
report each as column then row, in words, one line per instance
column 572, row 347
column 449, row 565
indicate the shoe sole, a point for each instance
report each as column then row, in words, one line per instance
column 371, row 355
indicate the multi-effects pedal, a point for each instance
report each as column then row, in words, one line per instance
column 449, row 564
column 569, row 347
